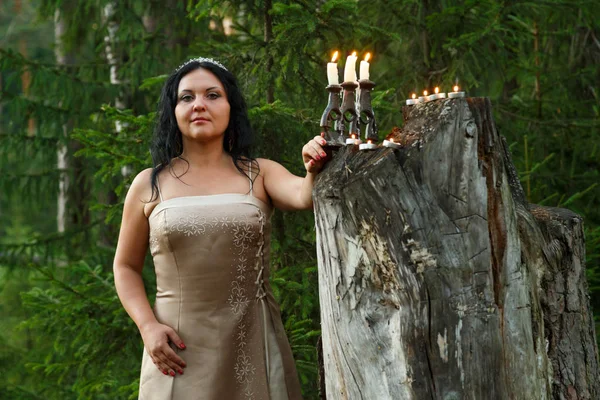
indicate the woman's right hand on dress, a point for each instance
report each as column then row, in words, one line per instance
column 156, row 338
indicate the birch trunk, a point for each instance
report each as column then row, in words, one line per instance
column 437, row 280
column 62, row 58
column 111, row 43
column 72, row 196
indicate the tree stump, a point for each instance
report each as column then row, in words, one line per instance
column 437, row 280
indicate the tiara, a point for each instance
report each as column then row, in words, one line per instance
column 201, row 60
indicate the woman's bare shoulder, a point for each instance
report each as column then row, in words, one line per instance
column 141, row 182
column 140, row 191
column 264, row 164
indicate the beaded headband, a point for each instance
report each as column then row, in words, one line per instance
column 201, row 60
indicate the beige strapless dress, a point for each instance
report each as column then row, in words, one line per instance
column 211, row 255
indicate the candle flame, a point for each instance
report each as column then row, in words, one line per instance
column 353, row 54
column 455, row 88
column 335, row 56
column 414, row 96
column 424, row 92
column 353, row 136
column 367, row 56
column 392, row 139
column 437, row 90
column 369, row 141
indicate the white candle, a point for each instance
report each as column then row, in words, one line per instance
column 423, row 99
column 364, row 67
column 350, row 68
column 353, row 140
column 413, row 101
column 390, row 143
column 455, row 93
column 367, row 146
column 438, row 94
column 332, row 70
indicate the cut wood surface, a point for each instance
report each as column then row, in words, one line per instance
column 437, row 280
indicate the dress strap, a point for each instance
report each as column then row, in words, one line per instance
column 158, row 187
column 251, row 181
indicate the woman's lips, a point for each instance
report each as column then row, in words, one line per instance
column 199, row 120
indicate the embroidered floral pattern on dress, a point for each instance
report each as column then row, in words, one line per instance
column 242, row 236
column 244, row 233
column 249, row 394
column 244, row 369
column 191, row 225
column 238, row 299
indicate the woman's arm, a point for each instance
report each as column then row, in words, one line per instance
column 128, row 264
column 288, row 191
column 131, row 251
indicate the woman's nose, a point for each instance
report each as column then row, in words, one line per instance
column 198, row 105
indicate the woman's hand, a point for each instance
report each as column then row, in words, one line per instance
column 313, row 155
column 156, row 340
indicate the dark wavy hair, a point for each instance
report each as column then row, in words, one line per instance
column 167, row 142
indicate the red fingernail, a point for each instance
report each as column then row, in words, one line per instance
column 323, row 154
column 181, row 372
column 182, row 346
column 172, row 373
column 164, row 372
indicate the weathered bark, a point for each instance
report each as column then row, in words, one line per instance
column 437, row 279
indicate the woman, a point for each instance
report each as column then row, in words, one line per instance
column 215, row 331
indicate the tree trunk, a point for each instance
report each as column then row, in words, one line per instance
column 438, row 280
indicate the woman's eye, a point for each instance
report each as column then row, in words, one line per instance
column 213, row 95
column 185, row 98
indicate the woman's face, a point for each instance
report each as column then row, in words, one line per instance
column 202, row 109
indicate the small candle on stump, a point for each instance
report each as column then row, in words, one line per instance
column 353, row 140
column 438, row 94
column 367, row 146
column 390, row 143
column 413, row 101
column 455, row 93
column 433, row 96
column 423, row 99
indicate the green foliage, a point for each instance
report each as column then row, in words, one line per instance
column 65, row 331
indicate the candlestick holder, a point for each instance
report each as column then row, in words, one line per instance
column 349, row 115
column 366, row 114
column 331, row 116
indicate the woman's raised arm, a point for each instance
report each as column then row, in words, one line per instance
column 288, row 191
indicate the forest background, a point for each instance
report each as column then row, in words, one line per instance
column 79, row 84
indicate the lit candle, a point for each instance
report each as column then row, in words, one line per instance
column 439, row 95
column 423, row 99
column 353, row 140
column 455, row 93
column 367, row 146
column 433, row 96
column 350, row 68
column 413, row 101
column 364, row 67
column 390, row 143
column 332, row 70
